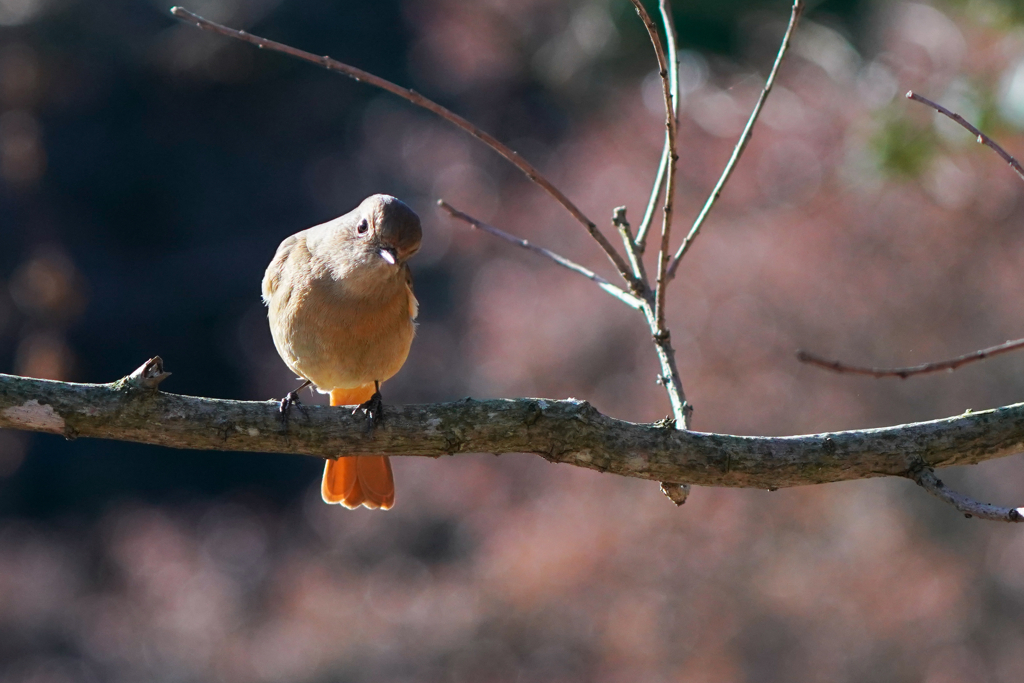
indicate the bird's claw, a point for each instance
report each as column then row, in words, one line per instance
column 374, row 411
column 290, row 399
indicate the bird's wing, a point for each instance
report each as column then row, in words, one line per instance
column 414, row 306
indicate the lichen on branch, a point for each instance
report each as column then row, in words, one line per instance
column 565, row 431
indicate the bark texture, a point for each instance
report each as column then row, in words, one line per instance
column 566, row 431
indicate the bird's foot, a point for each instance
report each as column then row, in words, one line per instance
column 291, row 399
column 286, row 403
column 374, row 411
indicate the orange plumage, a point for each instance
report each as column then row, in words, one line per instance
column 360, row 479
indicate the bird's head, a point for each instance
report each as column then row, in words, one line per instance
column 385, row 228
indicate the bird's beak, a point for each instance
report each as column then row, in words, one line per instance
column 389, row 254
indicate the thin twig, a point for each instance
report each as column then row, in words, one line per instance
column 670, row 138
column 794, row 19
column 981, row 137
column 673, row 74
column 925, row 478
column 632, row 252
column 652, row 203
column 617, row 292
column 419, row 100
column 903, row 373
column 655, row 314
column 953, row 363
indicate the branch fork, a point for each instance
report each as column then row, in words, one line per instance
column 924, row 476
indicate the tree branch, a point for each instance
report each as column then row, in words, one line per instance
column 982, row 138
column 419, row 100
column 737, row 152
column 926, row 479
column 670, row 169
column 633, row 252
column 673, row 76
column 903, row 373
column 654, row 311
column 617, row 292
column 564, row 431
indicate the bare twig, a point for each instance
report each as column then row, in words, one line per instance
column 617, row 292
column 951, row 364
column 652, row 203
column 633, row 253
column 673, row 75
column 926, row 479
column 655, row 313
column 981, row 137
column 419, row 100
column 794, row 19
column 670, row 139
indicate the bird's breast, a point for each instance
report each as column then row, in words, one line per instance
column 339, row 338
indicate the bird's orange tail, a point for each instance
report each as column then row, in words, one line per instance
column 360, row 479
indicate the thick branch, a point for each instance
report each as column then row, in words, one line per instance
column 419, row 100
column 566, row 431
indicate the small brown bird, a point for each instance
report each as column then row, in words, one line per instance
column 341, row 313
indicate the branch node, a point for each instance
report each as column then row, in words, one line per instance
column 667, row 422
column 619, row 217
column 924, row 476
column 677, row 493
column 148, row 375
column 638, row 285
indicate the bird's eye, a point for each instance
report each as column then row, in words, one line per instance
column 363, row 226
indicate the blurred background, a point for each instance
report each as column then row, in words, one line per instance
column 148, row 172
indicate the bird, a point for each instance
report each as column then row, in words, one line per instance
column 342, row 314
